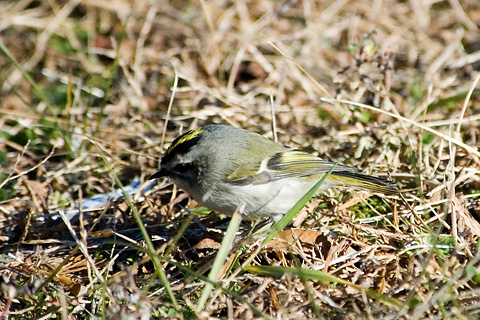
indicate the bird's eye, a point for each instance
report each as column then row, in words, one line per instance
column 183, row 167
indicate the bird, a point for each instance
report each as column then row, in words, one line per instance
column 229, row 169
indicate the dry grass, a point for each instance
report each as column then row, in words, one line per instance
column 102, row 76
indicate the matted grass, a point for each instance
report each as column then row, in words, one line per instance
column 390, row 87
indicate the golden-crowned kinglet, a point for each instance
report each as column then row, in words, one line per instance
column 227, row 169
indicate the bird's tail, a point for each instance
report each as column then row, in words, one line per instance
column 353, row 179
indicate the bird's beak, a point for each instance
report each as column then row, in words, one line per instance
column 160, row 173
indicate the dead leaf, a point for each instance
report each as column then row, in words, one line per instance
column 287, row 238
column 466, row 224
column 207, row 243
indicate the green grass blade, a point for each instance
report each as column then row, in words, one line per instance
column 308, row 274
column 227, row 291
column 280, row 225
column 452, row 101
column 38, row 91
column 220, row 257
column 150, row 248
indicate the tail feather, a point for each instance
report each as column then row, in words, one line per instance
column 347, row 178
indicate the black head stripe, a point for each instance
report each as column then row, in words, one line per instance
column 183, row 144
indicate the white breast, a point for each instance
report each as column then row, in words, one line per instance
column 272, row 200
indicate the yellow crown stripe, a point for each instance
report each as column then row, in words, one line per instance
column 186, row 137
